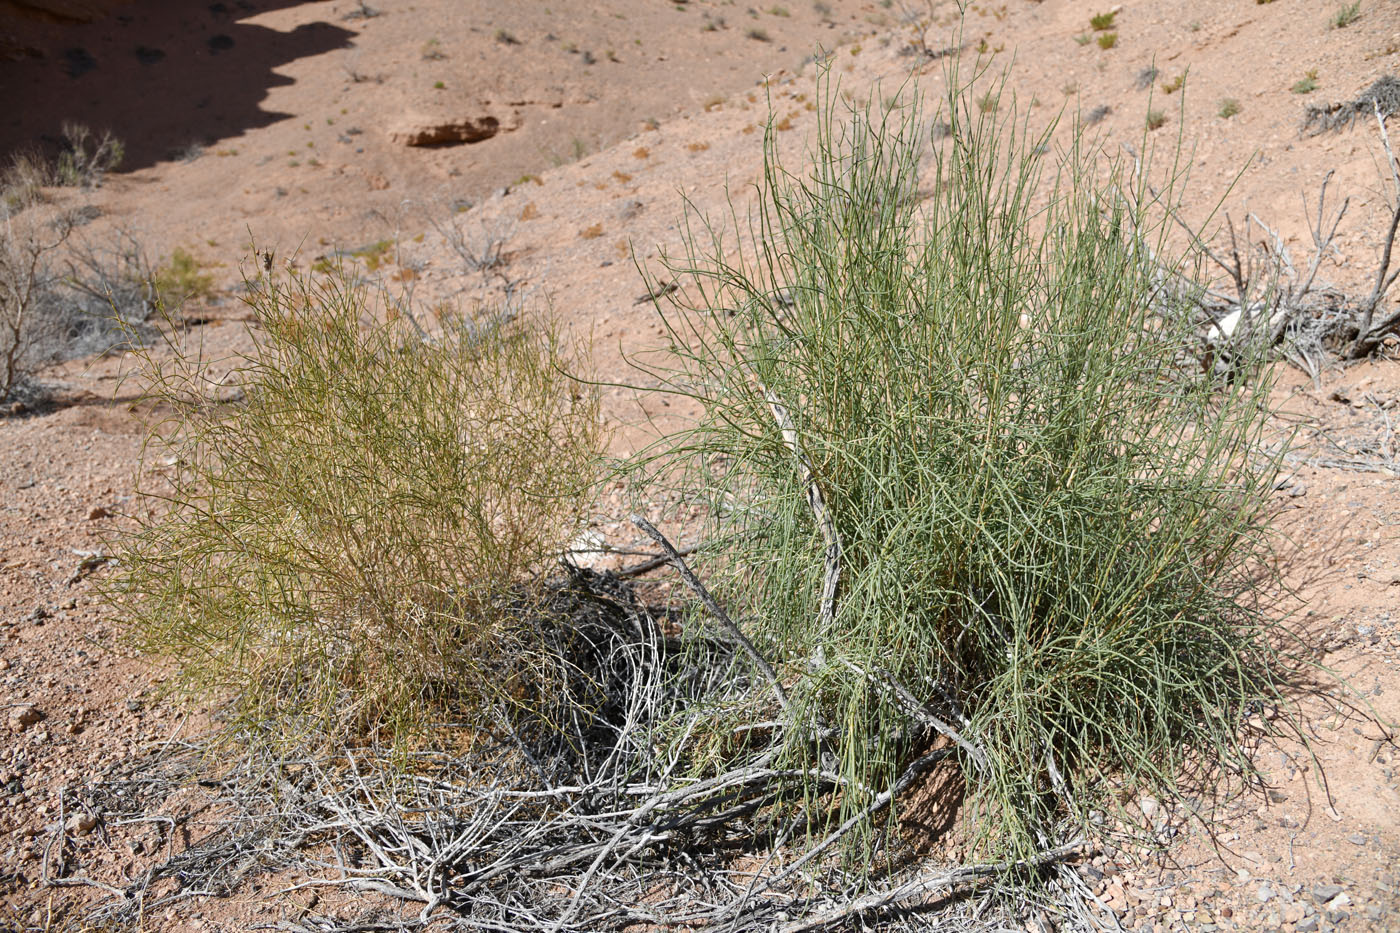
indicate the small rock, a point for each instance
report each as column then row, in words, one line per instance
column 22, row 717
column 98, row 513
column 1307, row 924
column 1265, row 893
column 1356, row 839
column 1338, row 902
column 1322, row 893
column 1298, row 491
column 1227, row 912
column 4, row 664
column 1149, row 806
column 80, row 823
column 1242, row 875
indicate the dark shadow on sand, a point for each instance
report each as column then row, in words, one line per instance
column 164, row 76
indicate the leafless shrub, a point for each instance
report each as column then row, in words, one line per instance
column 480, row 244
column 1270, row 303
column 1097, row 115
column 28, row 278
column 1383, row 95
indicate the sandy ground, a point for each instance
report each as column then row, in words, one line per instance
column 289, row 123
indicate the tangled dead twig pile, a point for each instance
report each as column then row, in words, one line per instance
column 599, row 825
column 1270, row 303
column 1383, row 95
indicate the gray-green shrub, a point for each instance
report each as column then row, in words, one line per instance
column 1052, row 531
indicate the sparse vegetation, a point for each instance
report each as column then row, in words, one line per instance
column 1107, row 40
column 1084, row 38
column 1345, row 15
column 1227, row 108
column 183, row 277
column 1175, row 84
column 758, row 33
column 348, row 549
column 432, row 51
column 1100, row 22
column 1156, row 119
column 1145, row 77
column 505, row 37
column 1306, row 84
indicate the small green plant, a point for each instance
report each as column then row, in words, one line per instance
column 1102, row 21
column 348, row 553
column 432, row 51
column 1306, row 84
column 1108, row 40
column 1084, row 38
column 438, row 86
column 183, row 277
column 1346, row 14
column 1156, row 119
column 779, row 11
column 1227, row 108
column 374, row 255
column 1175, row 84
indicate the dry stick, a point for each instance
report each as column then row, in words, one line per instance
column 832, row 576
column 1363, row 333
column 713, row 607
column 647, row 566
column 926, row 884
column 922, row 713
column 881, row 801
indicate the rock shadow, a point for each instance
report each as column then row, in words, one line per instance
column 166, row 77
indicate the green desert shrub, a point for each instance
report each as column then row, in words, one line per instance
column 1050, row 530
column 337, row 529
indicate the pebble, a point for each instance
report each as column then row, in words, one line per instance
column 1307, row 924
column 80, row 823
column 1266, row 893
column 1322, row 893
column 1356, row 839
column 22, row 717
column 1149, row 806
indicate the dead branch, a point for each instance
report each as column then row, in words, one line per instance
column 924, row 885
column 1367, row 336
column 713, row 607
